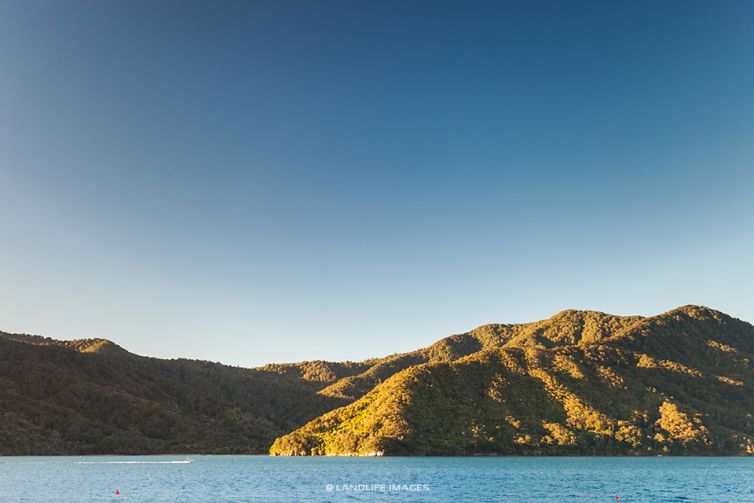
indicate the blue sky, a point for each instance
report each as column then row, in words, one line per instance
column 251, row 182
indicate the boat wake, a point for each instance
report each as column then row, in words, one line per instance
column 179, row 462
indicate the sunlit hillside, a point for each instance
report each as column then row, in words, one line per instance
column 577, row 383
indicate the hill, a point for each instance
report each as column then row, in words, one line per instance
column 91, row 396
column 581, row 382
column 578, row 383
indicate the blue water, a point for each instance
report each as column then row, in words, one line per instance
column 459, row 479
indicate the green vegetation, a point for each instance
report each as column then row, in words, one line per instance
column 86, row 397
column 580, row 382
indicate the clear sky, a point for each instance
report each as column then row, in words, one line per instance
column 250, row 182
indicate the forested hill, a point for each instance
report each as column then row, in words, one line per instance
column 92, row 396
column 579, row 382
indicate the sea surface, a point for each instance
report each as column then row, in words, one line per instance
column 456, row 479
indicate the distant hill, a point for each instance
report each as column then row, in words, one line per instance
column 91, row 396
column 581, row 382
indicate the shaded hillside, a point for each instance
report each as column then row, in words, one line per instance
column 91, row 396
column 577, row 383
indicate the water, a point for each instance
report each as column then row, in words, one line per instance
column 424, row 479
